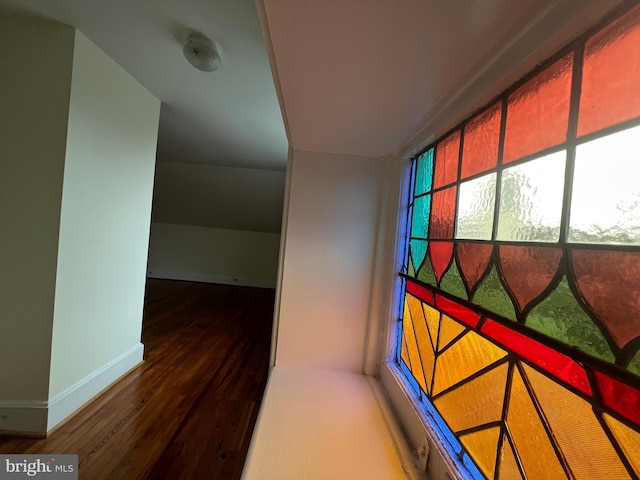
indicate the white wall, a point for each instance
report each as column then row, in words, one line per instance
column 105, row 218
column 34, row 98
column 213, row 255
column 328, row 260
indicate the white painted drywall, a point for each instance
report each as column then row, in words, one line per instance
column 214, row 255
column 105, row 217
column 328, row 260
column 34, row 100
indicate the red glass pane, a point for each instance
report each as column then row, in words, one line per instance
column 608, row 281
column 611, row 75
column 528, row 270
column 619, row 397
column 447, row 157
column 473, row 260
column 440, row 254
column 481, row 137
column 443, row 210
column 538, row 112
column 420, row 292
column 457, row 311
column 551, row 361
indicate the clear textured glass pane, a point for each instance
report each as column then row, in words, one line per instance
column 605, row 207
column 531, row 200
column 475, row 208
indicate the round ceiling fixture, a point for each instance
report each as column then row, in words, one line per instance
column 202, row 53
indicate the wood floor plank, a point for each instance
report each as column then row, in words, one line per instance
column 189, row 411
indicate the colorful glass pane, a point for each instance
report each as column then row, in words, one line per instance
column 608, row 281
column 420, row 216
column 449, row 330
column 560, row 316
column 412, row 347
column 508, row 469
column 611, row 75
column 418, row 249
column 605, row 204
column 432, row 317
column 540, row 265
column 481, row 139
column 473, row 260
column 440, row 254
column 424, row 173
column 491, row 295
column 530, row 438
column 475, row 403
column 580, row 435
column 628, row 439
column 425, row 348
column 468, row 355
column 452, row 282
column 538, row 112
column 447, row 158
column 444, row 208
column 619, row 397
column 483, row 447
column 420, row 292
column 531, row 200
column 476, row 206
column 457, row 311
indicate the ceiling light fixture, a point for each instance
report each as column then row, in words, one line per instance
column 202, row 53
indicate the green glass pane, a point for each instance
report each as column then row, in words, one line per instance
column 452, row 282
column 411, row 271
column 424, row 172
column 634, row 364
column 418, row 249
column 492, row 296
column 426, row 273
column 560, row 316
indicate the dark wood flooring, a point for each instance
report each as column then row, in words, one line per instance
column 188, row 412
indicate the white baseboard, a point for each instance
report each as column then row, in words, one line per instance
column 67, row 402
column 29, row 418
column 207, row 278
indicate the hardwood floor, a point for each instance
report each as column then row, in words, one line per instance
column 188, row 412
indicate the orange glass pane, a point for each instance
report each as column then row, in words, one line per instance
column 443, row 210
column 628, row 439
column 580, row 436
column 412, row 347
column 447, row 158
column 433, row 322
column 475, row 403
column 427, row 355
column 483, row 447
column 449, row 329
column 481, row 138
column 508, row 468
column 611, row 75
column 538, row 112
column 529, row 437
column 465, row 357
column 404, row 353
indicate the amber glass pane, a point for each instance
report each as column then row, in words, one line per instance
column 538, row 112
column 427, row 356
column 605, row 165
column 433, row 322
column 530, row 439
column 465, row 357
column 539, row 263
column 608, row 281
column 404, row 353
column 443, row 211
column 628, row 439
column 476, row 206
column 440, row 254
column 473, row 260
column 508, row 468
column 412, row 346
column 449, row 330
column 475, row 403
column 531, row 200
column 582, row 440
column 481, row 137
column 483, row 446
column 611, row 75
column 447, row 157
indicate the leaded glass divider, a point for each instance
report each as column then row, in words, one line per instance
column 521, row 324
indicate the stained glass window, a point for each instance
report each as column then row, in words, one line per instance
column 520, row 331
